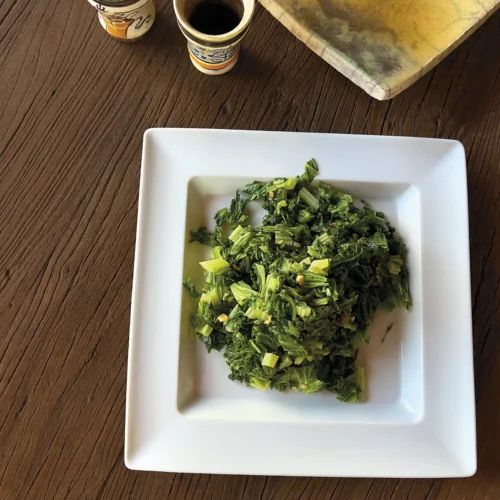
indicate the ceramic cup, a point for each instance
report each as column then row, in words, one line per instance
column 214, row 54
column 125, row 20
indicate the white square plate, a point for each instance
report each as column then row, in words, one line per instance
column 417, row 420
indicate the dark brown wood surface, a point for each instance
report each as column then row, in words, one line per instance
column 73, row 108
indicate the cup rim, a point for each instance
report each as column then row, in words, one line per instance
column 248, row 6
column 118, row 5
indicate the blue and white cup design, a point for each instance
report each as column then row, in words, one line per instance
column 213, row 54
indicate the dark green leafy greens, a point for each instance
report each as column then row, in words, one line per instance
column 289, row 301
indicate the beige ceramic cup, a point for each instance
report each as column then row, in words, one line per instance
column 125, row 20
column 214, row 54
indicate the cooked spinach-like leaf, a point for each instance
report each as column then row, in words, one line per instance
column 289, row 301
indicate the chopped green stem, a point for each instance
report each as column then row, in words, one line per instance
column 217, row 266
column 308, row 198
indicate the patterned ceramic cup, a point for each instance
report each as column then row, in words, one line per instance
column 214, row 54
column 125, row 20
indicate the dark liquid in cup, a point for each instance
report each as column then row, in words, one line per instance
column 213, row 17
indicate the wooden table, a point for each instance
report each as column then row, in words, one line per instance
column 74, row 105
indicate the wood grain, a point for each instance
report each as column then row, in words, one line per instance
column 73, row 107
